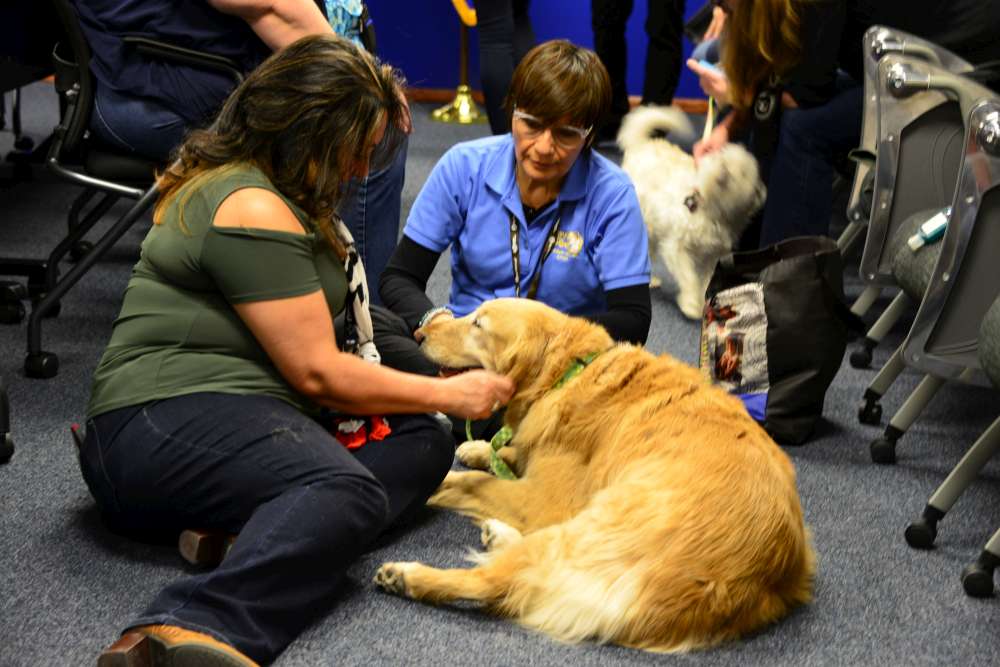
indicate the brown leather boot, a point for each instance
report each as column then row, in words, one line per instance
column 170, row 646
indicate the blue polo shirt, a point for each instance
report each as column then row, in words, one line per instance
column 467, row 203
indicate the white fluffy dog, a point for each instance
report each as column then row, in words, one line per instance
column 694, row 215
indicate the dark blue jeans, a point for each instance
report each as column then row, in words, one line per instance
column 304, row 507
column 800, row 183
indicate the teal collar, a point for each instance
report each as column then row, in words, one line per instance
column 506, row 434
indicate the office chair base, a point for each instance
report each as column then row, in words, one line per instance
column 11, row 312
column 43, row 365
column 921, row 533
column 79, row 250
column 977, row 579
column 862, row 356
column 6, row 447
column 883, row 450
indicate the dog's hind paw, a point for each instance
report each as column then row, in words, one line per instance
column 391, row 578
column 474, row 454
column 496, row 534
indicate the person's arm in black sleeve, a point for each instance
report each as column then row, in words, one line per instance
column 628, row 315
column 403, row 284
column 813, row 81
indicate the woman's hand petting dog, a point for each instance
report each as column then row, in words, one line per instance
column 476, row 394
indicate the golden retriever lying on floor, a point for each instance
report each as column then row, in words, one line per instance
column 651, row 511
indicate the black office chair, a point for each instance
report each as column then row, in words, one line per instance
column 102, row 171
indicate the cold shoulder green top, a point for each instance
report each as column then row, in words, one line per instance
column 177, row 332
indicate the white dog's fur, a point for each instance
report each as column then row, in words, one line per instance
column 725, row 191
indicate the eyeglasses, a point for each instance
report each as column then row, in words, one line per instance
column 566, row 136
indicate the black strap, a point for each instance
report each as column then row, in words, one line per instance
column 515, row 255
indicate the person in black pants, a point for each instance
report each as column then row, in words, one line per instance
column 665, row 29
column 505, row 35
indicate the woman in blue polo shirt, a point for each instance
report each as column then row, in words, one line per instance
column 535, row 213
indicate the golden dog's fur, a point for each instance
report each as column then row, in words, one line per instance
column 651, row 511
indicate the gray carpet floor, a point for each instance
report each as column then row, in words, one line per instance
column 67, row 584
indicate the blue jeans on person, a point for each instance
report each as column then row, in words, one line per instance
column 800, row 178
column 136, row 125
column 303, row 506
column 371, row 212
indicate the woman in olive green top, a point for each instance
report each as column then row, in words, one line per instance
column 210, row 408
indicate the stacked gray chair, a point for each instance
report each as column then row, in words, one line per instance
column 958, row 325
column 895, row 128
column 878, row 42
column 913, row 271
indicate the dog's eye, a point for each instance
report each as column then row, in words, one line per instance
column 476, row 323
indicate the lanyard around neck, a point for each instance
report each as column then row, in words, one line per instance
column 515, row 255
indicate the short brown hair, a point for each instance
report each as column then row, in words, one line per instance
column 558, row 79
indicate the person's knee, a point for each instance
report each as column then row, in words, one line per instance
column 355, row 502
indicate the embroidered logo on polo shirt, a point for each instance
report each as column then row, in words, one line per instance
column 568, row 245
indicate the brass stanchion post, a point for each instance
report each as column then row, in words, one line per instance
column 463, row 108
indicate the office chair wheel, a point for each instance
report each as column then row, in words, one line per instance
column 79, row 250
column 862, row 356
column 883, row 450
column 870, row 412
column 11, row 312
column 921, row 533
column 6, row 448
column 977, row 579
column 42, row 365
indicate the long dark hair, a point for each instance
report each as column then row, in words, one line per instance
column 306, row 117
column 762, row 39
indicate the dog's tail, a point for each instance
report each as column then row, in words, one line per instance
column 640, row 123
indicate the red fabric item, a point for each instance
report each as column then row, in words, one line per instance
column 354, row 433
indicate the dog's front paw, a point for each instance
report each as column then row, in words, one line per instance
column 391, row 578
column 496, row 534
column 474, row 454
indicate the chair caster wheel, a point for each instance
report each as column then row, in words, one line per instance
column 977, row 580
column 6, row 448
column 42, row 365
column 11, row 312
column 921, row 533
column 861, row 357
column 870, row 412
column 883, row 450
column 79, row 250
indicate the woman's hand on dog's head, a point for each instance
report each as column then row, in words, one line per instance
column 476, row 394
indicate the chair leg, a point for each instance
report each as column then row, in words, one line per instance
column 883, row 450
column 40, row 364
column 921, row 533
column 977, row 579
column 850, row 236
column 870, row 411
column 862, row 356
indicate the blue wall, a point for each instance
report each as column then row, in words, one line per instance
column 421, row 38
